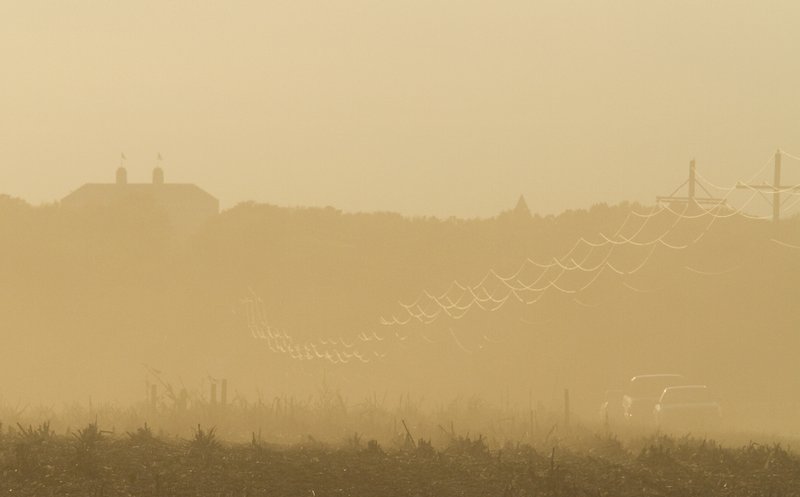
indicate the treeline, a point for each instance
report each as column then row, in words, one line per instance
column 314, row 267
column 92, row 293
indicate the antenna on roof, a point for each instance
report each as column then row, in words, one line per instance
column 158, row 173
column 122, row 174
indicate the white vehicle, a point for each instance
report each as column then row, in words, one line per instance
column 687, row 407
column 642, row 394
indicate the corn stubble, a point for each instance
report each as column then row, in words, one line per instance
column 35, row 461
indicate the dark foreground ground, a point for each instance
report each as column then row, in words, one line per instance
column 35, row 462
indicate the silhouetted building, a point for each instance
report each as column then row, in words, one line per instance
column 521, row 209
column 187, row 206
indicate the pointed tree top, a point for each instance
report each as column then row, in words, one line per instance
column 522, row 207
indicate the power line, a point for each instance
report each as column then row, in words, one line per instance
column 776, row 188
column 691, row 200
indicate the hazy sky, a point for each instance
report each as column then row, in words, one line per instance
column 417, row 106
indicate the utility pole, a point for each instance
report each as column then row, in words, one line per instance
column 691, row 200
column 692, row 181
column 776, row 182
column 776, row 188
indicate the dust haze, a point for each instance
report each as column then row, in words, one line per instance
column 458, row 215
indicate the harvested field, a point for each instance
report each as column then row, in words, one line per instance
column 36, row 462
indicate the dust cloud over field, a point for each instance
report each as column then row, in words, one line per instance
column 315, row 308
column 496, row 260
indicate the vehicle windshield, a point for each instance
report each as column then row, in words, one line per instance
column 685, row 395
column 652, row 386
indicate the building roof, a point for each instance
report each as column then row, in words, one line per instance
column 187, row 206
column 108, row 192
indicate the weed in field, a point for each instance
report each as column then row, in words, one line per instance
column 142, row 437
column 86, row 442
column 425, row 448
column 374, row 448
column 354, row 442
column 30, row 444
column 87, row 438
column 204, row 443
column 40, row 434
column 467, row 446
